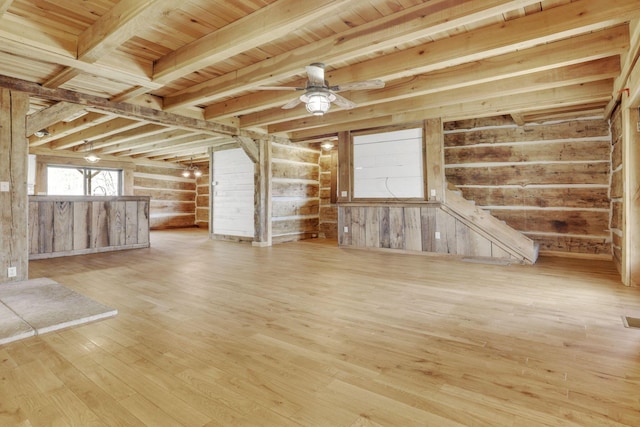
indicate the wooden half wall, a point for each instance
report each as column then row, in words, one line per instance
column 75, row 225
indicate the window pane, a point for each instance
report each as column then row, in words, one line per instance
column 82, row 181
column 65, row 181
column 388, row 165
column 105, row 182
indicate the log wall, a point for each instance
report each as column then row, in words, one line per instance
column 549, row 181
column 295, row 192
column 173, row 197
column 328, row 221
column 73, row 225
column 616, row 189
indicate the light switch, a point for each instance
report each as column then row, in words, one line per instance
column 437, row 235
column 343, row 194
column 4, row 186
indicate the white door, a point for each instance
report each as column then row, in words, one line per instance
column 232, row 189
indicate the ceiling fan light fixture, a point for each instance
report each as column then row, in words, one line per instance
column 318, row 103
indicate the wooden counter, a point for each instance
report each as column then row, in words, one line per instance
column 74, row 225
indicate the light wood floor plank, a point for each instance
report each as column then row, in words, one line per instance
column 214, row 333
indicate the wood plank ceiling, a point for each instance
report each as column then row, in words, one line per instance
column 165, row 79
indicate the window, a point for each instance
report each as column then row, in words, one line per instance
column 388, row 165
column 83, row 181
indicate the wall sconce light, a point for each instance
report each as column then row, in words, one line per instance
column 327, row 145
column 91, row 155
column 192, row 169
column 41, row 133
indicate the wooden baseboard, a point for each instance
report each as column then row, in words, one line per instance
column 559, row 254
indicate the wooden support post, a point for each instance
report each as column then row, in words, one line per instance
column 345, row 164
column 263, row 202
column 434, row 167
column 14, row 150
column 631, row 196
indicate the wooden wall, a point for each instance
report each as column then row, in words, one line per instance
column 328, row 220
column 549, row 181
column 411, row 228
column 73, row 225
column 173, row 197
column 615, row 192
column 203, row 188
column 295, row 190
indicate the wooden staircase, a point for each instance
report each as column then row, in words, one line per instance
column 498, row 232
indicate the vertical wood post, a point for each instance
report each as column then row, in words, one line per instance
column 631, row 196
column 345, row 164
column 14, row 151
column 262, row 213
column 434, row 168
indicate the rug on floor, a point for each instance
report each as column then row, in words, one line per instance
column 37, row 306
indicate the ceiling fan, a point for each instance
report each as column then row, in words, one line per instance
column 318, row 95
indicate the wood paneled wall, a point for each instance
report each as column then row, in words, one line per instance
column 61, row 226
column 173, row 197
column 203, row 188
column 616, row 190
column 412, row 228
column 549, row 181
column 328, row 207
column 295, row 192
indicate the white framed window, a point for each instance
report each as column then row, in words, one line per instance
column 83, row 181
column 388, row 165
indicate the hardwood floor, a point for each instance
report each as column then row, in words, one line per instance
column 215, row 333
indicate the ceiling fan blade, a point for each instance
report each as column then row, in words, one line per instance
column 366, row 84
column 343, row 102
column 291, row 104
column 278, row 88
column 315, row 72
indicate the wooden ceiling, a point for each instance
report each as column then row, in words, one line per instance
column 165, row 79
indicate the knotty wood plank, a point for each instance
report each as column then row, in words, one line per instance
column 45, row 226
column 558, row 173
column 130, row 223
column 396, row 228
column 412, row 229
column 81, row 225
column 528, row 133
column 385, row 227
column 63, row 223
column 429, row 227
column 573, row 197
column 100, row 237
column 593, row 223
column 372, row 227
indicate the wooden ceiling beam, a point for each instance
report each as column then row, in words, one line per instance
column 47, row 117
column 560, row 53
column 119, row 25
column 262, row 26
column 119, row 108
column 191, row 141
column 146, row 130
column 629, row 60
column 422, row 20
column 20, row 48
column 385, row 115
column 140, row 143
column 110, row 127
column 4, row 5
column 571, row 75
column 62, row 129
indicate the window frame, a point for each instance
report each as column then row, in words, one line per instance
column 388, row 129
column 87, row 176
